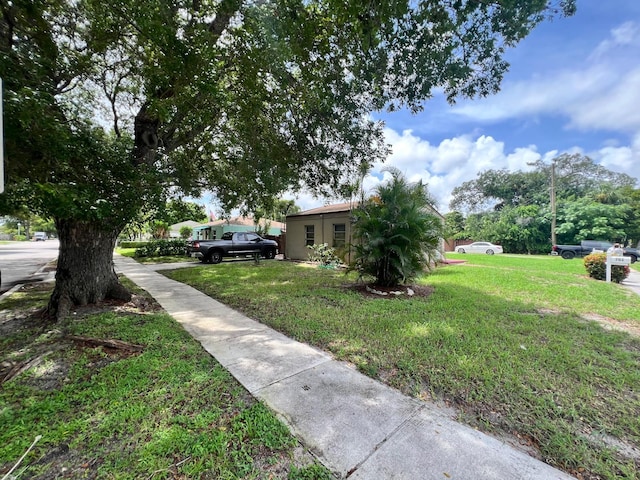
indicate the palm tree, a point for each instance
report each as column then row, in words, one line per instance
column 396, row 232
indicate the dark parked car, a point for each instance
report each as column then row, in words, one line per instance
column 588, row 246
column 238, row 244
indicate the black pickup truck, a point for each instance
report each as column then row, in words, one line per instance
column 232, row 244
column 588, row 246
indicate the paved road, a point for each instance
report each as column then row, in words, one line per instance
column 19, row 261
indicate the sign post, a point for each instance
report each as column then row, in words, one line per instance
column 616, row 260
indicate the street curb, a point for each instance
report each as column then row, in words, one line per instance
column 10, row 292
column 18, row 286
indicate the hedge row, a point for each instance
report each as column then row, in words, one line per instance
column 162, row 248
column 132, row 243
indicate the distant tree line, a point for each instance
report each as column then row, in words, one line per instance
column 514, row 209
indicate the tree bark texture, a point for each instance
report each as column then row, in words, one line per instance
column 85, row 273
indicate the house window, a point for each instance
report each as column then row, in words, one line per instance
column 309, row 235
column 339, row 234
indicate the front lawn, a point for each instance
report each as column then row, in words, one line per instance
column 165, row 411
column 527, row 348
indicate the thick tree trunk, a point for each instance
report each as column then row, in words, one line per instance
column 85, row 272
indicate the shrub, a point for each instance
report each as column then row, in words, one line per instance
column 323, row 254
column 146, row 250
column 161, row 248
column 396, row 232
column 159, row 229
column 596, row 265
column 132, row 244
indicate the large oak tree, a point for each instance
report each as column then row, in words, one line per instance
column 111, row 104
column 575, row 176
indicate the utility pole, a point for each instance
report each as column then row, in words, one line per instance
column 553, row 203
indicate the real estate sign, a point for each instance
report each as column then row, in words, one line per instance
column 615, row 260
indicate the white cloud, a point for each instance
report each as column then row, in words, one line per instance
column 522, row 157
column 626, row 34
column 459, row 159
column 599, row 92
column 623, row 159
column 450, row 163
column 613, row 108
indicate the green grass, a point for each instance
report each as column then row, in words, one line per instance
column 523, row 346
column 170, row 411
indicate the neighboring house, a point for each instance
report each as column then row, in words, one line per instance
column 330, row 224
column 214, row 230
column 174, row 230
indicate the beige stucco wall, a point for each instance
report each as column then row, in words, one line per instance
column 323, row 229
column 296, row 248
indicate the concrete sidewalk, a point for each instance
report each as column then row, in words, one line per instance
column 356, row 426
column 632, row 282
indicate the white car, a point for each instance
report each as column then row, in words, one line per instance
column 480, row 247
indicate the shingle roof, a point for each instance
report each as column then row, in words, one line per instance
column 337, row 207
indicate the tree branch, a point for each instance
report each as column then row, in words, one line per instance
column 147, row 136
column 226, row 11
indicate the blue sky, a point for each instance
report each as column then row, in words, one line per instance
column 573, row 86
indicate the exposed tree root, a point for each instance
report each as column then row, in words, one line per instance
column 24, row 366
column 106, row 342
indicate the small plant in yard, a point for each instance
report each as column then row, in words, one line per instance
column 324, row 255
column 185, row 232
column 154, row 258
column 596, row 265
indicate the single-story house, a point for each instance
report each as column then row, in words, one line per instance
column 214, row 230
column 174, row 230
column 330, row 224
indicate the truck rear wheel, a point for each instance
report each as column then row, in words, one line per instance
column 567, row 255
column 214, row 257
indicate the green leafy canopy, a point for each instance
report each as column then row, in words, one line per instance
column 245, row 98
